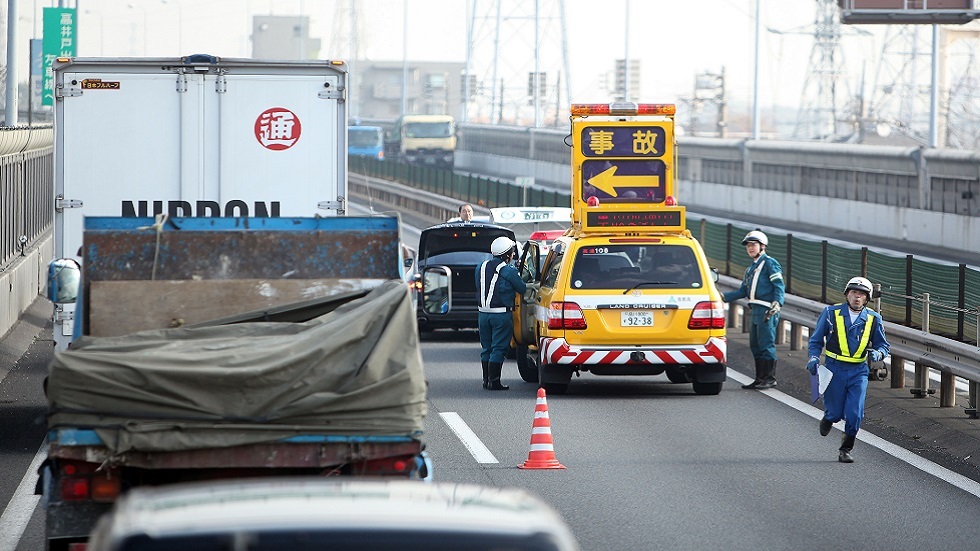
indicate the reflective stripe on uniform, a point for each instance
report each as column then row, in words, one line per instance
column 844, row 354
column 486, row 294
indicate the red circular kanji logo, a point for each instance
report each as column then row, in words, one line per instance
column 277, row 128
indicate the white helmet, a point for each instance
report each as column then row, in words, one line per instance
column 757, row 236
column 859, row 284
column 502, row 245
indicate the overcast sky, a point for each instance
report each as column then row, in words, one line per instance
column 674, row 40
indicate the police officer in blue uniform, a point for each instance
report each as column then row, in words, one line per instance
column 498, row 284
column 763, row 285
column 851, row 334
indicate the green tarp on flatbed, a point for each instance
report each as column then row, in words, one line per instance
column 354, row 371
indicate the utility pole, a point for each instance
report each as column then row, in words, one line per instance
column 10, row 118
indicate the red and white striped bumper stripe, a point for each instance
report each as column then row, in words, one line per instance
column 557, row 351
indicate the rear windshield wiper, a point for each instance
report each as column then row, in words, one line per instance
column 650, row 283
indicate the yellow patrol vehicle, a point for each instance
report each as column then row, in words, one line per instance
column 626, row 290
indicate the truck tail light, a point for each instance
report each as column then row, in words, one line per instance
column 105, row 487
column 74, row 488
column 85, row 481
column 708, row 315
column 565, row 315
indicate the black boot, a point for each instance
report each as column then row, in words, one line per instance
column 486, row 374
column 768, row 375
column 494, row 384
column 758, row 375
column 825, row 426
column 847, row 444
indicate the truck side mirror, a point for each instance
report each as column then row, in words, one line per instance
column 437, row 290
column 63, row 280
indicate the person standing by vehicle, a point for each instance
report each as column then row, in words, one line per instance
column 763, row 285
column 852, row 335
column 498, row 284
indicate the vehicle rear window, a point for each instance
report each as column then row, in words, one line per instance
column 357, row 137
column 463, row 245
column 641, row 266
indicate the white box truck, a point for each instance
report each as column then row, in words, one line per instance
column 192, row 136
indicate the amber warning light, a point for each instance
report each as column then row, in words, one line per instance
column 625, row 108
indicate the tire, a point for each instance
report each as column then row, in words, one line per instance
column 707, row 389
column 512, row 353
column 527, row 367
column 677, row 376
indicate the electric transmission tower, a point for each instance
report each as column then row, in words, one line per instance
column 960, row 128
column 346, row 41
column 826, row 97
column 516, row 62
column 901, row 100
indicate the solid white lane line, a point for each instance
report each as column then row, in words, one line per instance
column 468, row 437
column 869, row 438
column 19, row 511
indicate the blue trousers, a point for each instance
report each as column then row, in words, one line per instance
column 844, row 397
column 496, row 331
column 762, row 333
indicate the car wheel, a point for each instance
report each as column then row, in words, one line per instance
column 677, row 376
column 526, row 365
column 707, row 389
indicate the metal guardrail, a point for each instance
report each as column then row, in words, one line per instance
column 951, row 358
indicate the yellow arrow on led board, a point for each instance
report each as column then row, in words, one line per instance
column 607, row 181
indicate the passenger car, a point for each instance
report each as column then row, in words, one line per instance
column 621, row 304
column 447, row 258
column 330, row 514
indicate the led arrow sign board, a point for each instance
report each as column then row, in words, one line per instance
column 623, row 168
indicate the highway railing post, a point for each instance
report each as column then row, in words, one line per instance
column 961, row 302
column 823, row 271
column 898, row 371
column 908, row 290
column 789, row 264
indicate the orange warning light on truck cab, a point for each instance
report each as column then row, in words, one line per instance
column 626, row 108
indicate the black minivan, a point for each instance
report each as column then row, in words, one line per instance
column 446, row 280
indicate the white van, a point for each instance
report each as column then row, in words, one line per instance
column 325, row 514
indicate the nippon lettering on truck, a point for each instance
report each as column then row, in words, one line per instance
column 200, row 209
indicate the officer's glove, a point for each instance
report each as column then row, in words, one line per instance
column 773, row 309
column 876, row 355
column 811, row 365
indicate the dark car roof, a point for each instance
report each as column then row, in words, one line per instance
column 457, row 225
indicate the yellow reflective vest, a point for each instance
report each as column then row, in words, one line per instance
column 839, row 349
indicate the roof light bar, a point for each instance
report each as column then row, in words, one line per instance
column 623, row 108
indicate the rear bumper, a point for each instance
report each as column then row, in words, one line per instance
column 559, row 352
column 702, row 363
column 452, row 320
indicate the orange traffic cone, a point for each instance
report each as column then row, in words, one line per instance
column 542, row 454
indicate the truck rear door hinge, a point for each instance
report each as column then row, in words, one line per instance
column 340, row 205
column 181, row 82
column 60, row 203
column 68, row 90
column 339, row 94
column 221, row 83
column 63, row 315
